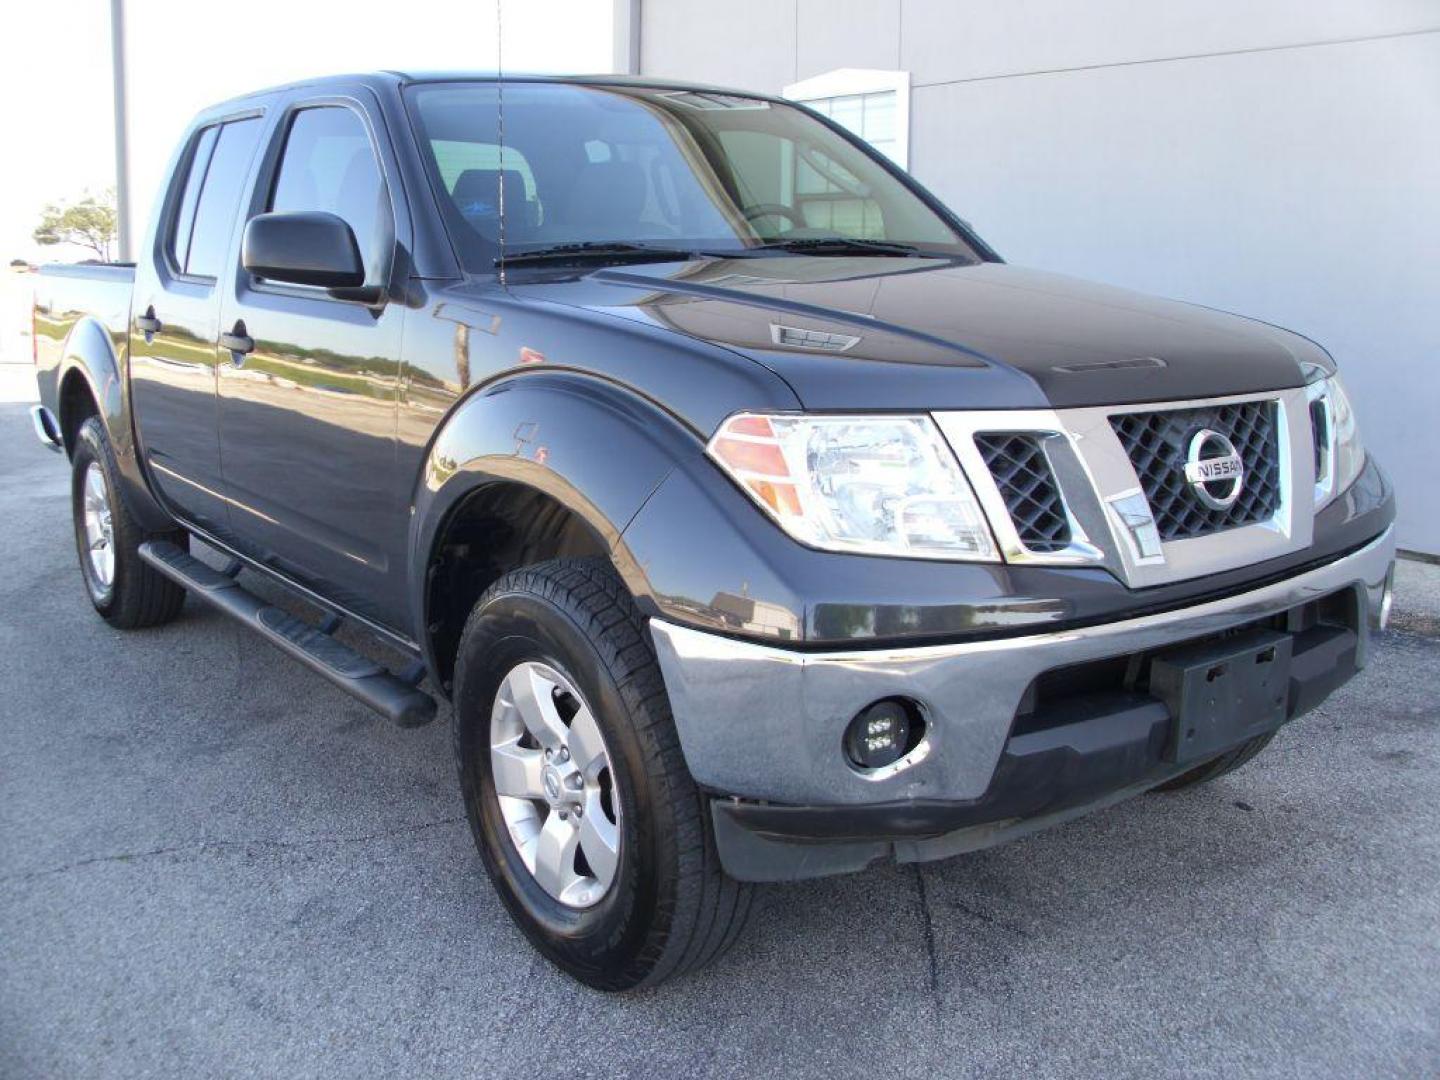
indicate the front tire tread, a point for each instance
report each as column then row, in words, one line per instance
column 707, row 909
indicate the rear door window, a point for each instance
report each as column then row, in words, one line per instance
column 217, row 205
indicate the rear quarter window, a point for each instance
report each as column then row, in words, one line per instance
column 179, row 245
column 215, row 210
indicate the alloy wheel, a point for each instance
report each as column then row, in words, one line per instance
column 554, row 783
column 99, row 528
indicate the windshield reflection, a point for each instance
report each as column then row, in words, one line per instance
column 631, row 169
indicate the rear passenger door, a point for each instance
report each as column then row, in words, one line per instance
column 307, row 418
column 175, row 313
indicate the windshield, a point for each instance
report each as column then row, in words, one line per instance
column 666, row 168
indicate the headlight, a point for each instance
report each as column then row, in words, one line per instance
column 881, row 485
column 1339, row 455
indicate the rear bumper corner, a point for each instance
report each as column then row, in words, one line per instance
column 47, row 428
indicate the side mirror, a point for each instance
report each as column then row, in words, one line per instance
column 306, row 248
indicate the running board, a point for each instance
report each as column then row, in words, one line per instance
column 351, row 671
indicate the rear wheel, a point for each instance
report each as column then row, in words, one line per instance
column 1215, row 768
column 126, row 590
column 585, row 816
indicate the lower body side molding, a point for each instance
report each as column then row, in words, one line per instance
column 357, row 675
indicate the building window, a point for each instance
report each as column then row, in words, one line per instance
column 874, row 105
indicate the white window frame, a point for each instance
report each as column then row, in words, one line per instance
column 844, row 82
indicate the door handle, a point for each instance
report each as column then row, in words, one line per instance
column 238, row 342
column 148, row 324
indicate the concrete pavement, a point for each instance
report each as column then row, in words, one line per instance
column 213, row 864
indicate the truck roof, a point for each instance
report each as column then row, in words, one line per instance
column 394, row 79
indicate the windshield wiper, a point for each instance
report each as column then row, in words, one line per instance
column 597, row 249
column 624, row 250
column 842, row 245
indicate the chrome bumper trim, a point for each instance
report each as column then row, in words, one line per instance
column 766, row 723
column 47, row 429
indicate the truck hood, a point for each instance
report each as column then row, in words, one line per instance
column 898, row 333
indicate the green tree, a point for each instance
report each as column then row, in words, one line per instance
column 90, row 222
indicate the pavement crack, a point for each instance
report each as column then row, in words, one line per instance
column 928, row 925
column 204, row 846
column 990, row 920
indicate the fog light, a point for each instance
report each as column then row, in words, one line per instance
column 883, row 733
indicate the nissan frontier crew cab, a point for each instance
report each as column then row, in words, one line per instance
column 756, row 520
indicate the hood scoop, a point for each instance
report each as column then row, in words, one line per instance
column 797, row 337
column 747, row 318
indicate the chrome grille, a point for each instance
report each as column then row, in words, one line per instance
column 1022, row 473
column 1157, row 444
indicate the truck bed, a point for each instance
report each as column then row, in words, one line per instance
column 65, row 296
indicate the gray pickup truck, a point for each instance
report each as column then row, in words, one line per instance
column 754, row 518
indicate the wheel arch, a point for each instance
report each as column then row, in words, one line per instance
column 529, row 468
column 89, row 382
column 77, row 404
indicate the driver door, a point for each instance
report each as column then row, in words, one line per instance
column 309, row 382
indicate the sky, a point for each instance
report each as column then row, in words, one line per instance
column 56, row 120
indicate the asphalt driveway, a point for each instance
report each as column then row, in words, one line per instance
column 213, row 864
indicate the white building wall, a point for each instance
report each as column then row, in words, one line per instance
column 1279, row 159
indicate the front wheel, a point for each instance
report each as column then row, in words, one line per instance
column 126, row 590
column 577, row 793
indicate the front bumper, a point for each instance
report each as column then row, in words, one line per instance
column 764, row 725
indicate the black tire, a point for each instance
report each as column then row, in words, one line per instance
column 671, row 908
column 138, row 595
column 1215, row 768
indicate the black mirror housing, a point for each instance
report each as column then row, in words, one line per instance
column 310, row 247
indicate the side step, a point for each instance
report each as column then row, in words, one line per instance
column 357, row 675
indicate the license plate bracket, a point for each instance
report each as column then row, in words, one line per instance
column 1222, row 693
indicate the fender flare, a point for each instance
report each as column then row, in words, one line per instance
column 90, row 353
column 596, row 447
